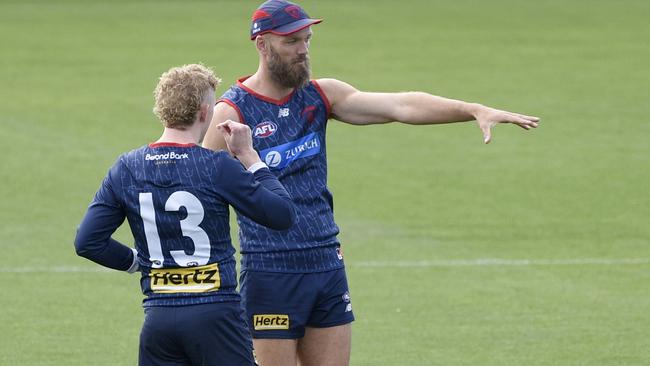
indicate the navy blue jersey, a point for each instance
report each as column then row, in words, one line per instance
column 176, row 199
column 289, row 135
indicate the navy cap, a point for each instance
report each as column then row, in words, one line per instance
column 280, row 17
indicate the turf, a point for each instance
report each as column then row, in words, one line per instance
column 76, row 90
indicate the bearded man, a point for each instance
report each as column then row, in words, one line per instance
column 293, row 283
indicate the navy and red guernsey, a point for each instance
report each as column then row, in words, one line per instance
column 175, row 198
column 289, row 135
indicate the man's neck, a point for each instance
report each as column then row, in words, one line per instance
column 262, row 83
column 189, row 136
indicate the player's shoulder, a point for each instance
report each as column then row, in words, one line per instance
column 125, row 157
column 228, row 105
column 128, row 157
column 216, row 156
column 329, row 83
column 332, row 88
column 221, row 164
column 124, row 166
column 226, row 109
column 234, row 93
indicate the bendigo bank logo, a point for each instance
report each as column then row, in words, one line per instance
column 270, row 321
column 265, row 129
column 193, row 279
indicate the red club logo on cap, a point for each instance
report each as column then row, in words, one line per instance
column 259, row 14
column 294, row 11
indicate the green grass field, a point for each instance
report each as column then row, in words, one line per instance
column 533, row 250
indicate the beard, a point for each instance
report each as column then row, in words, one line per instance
column 292, row 74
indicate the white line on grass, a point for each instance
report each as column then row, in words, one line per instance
column 483, row 262
column 495, row 262
column 57, row 269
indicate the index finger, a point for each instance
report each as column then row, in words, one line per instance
column 530, row 118
column 524, row 121
column 226, row 126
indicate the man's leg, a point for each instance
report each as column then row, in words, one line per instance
column 159, row 340
column 279, row 306
column 275, row 352
column 276, row 305
column 325, row 346
column 215, row 334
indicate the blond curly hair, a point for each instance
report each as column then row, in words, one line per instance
column 180, row 92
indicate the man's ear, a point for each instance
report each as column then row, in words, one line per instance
column 261, row 44
column 204, row 112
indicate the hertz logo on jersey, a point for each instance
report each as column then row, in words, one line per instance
column 270, row 321
column 192, row 279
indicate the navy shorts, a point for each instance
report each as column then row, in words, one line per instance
column 206, row 334
column 281, row 305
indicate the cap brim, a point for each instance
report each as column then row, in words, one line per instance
column 294, row 27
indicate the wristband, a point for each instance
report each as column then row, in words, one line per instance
column 134, row 266
column 257, row 166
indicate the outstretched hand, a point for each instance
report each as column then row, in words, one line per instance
column 488, row 117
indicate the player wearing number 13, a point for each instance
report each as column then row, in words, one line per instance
column 175, row 196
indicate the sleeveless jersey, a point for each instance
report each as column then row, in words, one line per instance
column 289, row 135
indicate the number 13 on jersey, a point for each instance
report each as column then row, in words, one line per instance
column 189, row 227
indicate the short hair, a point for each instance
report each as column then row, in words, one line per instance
column 180, row 92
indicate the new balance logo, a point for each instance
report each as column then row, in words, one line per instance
column 283, row 112
column 270, row 321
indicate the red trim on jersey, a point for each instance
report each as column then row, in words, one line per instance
column 328, row 106
column 235, row 107
column 252, row 92
column 170, row 144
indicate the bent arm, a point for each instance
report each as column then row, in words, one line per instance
column 276, row 209
column 93, row 240
column 258, row 196
column 214, row 139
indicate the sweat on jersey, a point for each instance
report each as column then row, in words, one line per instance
column 175, row 198
column 289, row 135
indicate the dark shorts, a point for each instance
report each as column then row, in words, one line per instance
column 206, row 335
column 281, row 305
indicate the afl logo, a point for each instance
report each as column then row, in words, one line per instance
column 273, row 159
column 265, row 129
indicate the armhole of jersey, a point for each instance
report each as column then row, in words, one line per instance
column 235, row 107
column 320, row 91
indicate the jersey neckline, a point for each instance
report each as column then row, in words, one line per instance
column 170, row 144
column 240, row 83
